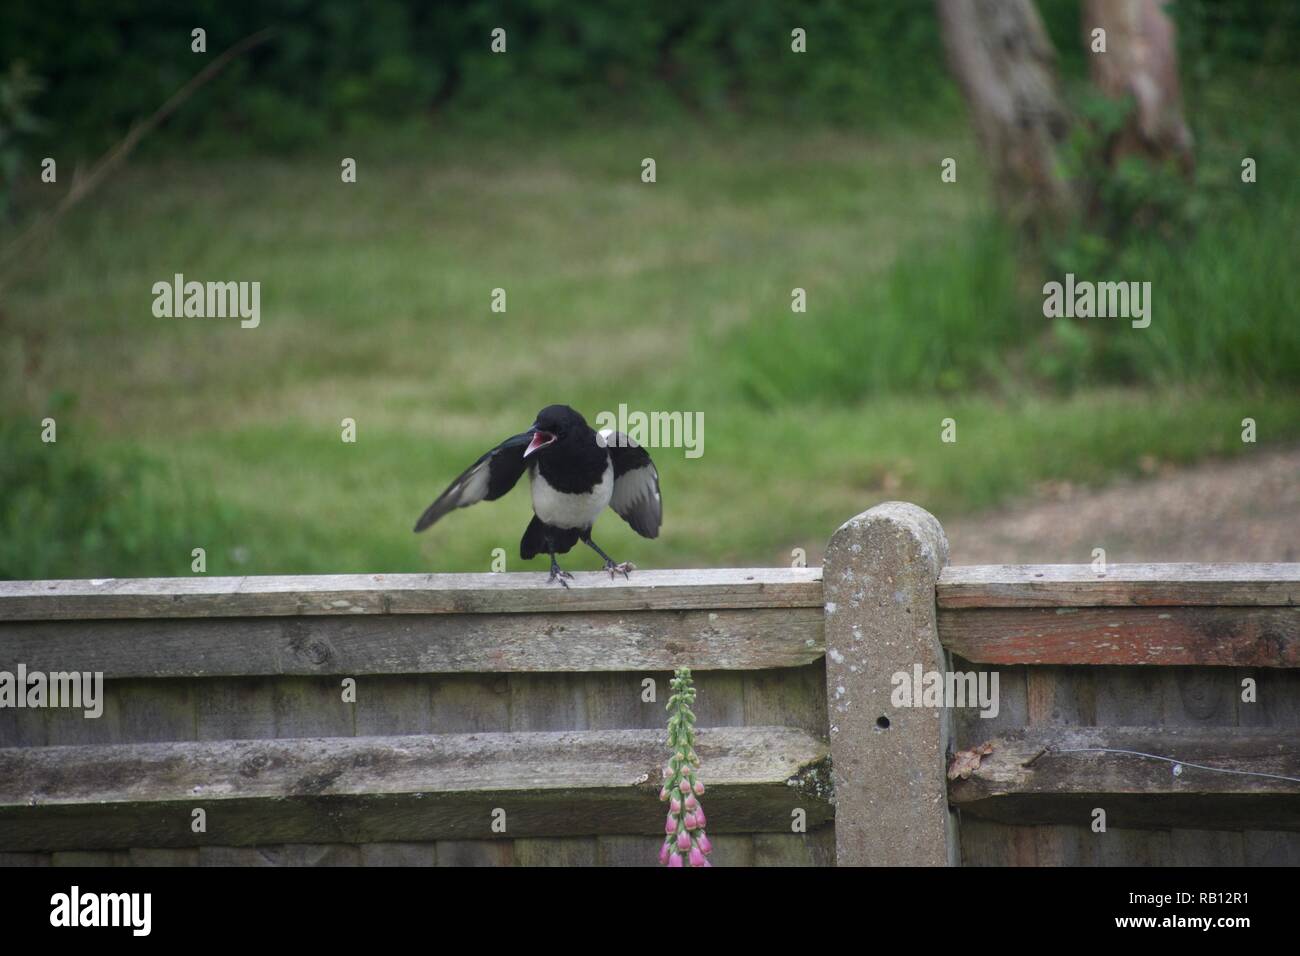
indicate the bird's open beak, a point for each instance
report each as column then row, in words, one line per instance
column 540, row 440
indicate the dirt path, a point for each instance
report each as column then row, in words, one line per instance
column 1242, row 510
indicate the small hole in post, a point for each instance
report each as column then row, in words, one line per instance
column 882, row 722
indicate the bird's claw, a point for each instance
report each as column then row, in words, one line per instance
column 559, row 575
column 622, row 568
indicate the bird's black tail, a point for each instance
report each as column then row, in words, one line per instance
column 540, row 538
column 533, row 542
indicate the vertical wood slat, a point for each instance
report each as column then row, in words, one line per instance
column 476, row 853
column 1277, row 698
column 31, row 727
column 465, row 705
column 721, row 699
column 240, row 856
column 67, row 727
column 815, row 848
column 391, row 706
column 556, row 851
column 228, row 708
column 731, row 849
column 321, row 854
column 1198, row 697
column 614, row 700
column 969, row 728
column 627, row 850
column 184, row 856
column 311, row 707
column 10, row 859
column 788, row 697
column 1271, row 848
column 547, row 702
column 96, row 858
column 149, row 710
column 156, row 710
column 399, row 854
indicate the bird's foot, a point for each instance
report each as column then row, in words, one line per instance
column 559, row 575
column 622, row 568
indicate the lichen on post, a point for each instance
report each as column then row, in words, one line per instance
column 888, row 765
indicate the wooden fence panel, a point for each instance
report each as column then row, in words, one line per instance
column 478, row 692
column 1198, row 624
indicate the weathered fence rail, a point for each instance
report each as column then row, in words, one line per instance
column 496, row 719
column 1164, row 695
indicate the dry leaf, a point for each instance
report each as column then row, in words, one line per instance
column 966, row 762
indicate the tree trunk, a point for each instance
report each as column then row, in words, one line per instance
column 1005, row 64
column 1141, row 61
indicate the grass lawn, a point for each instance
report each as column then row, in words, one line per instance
column 182, row 433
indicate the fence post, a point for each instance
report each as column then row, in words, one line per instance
column 889, row 763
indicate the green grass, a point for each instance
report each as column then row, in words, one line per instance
column 194, row 433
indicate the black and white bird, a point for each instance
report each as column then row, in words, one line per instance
column 574, row 472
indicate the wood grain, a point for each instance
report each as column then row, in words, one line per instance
column 1138, row 585
column 380, row 789
column 1217, row 637
column 349, row 594
column 1050, row 762
column 1059, row 776
column 748, row 639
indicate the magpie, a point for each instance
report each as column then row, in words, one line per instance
column 573, row 472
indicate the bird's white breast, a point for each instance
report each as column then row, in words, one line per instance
column 563, row 510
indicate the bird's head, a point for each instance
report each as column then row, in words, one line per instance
column 554, row 424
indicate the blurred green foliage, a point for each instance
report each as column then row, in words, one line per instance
column 941, row 321
column 18, row 124
column 69, row 512
column 951, row 316
column 338, row 65
column 341, row 66
column 920, row 305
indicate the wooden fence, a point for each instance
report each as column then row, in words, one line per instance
column 493, row 719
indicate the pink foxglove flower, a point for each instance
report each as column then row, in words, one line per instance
column 686, row 843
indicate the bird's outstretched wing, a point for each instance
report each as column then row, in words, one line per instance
column 488, row 479
column 636, row 496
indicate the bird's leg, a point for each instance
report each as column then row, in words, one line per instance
column 610, row 566
column 557, row 574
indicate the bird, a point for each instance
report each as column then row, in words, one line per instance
column 573, row 473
